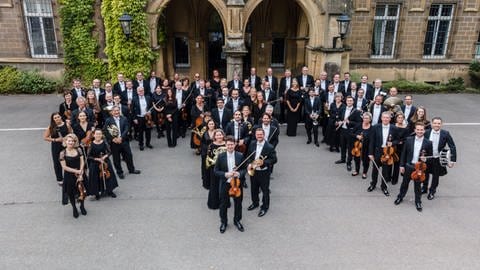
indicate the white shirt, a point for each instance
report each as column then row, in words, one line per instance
column 353, row 93
column 335, row 87
column 236, row 131
column 408, row 108
column 312, row 100
column 266, row 129
column 220, row 117
column 287, row 82
column 385, row 130
column 347, row 114
column 323, row 85
column 331, row 97
column 122, row 86
column 252, row 80
column 230, row 163
column 143, row 105
column 359, row 103
column 416, row 149
column 97, row 93
column 235, row 104
column 267, row 93
column 202, row 91
column 129, row 94
column 153, row 84
column 364, row 86
column 377, row 109
column 435, row 138
column 79, row 92
column 117, row 122
column 235, row 84
column 377, row 92
column 304, row 80
column 270, row 80
column 259, row 149
column 178, row 96
column 140, row 83
column 346, row 85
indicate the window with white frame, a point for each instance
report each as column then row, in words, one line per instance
column 477, row 48
column 41, row 28
column 385, row 31
column 438, row 30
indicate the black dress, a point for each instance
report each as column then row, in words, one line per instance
column 69, row 187
column 81, row 133
column 295, row 98
column 213, row 201
column 57, row 147
column 206, row 141
column 359, row 130
column 258, row 111
column 96, row 184
column 195, row 113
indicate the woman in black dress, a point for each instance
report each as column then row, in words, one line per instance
column 55, row 133
column 294, row 102
column 171, row 118
column 198, row 113
column 333, row 134
column 158, row 116
column 245, row 91
column 207, row 139
column 100, row 183
column 403, row 132
column 420, row 115
column 259, row 107
column 83, row 130
column 361, row 132
column 215, row 148
column 215, row 81
column 67, row 106
column 73, row 162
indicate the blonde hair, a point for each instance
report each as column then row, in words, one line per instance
column 73, row 137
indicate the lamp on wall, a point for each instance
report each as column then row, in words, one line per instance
column 343, row 26
column 126, row 23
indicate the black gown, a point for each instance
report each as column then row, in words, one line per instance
column 213, row 201
column 69, row 187
column 195, row 113
column 295, row 98
column 206, row 141
column 57, row 147
column 96, row 184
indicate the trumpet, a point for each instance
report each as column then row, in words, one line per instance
column 254, row 165
column 314, row 116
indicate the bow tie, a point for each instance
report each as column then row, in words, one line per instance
column 436, row 132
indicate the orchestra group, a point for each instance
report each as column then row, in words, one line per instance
column 235, row 127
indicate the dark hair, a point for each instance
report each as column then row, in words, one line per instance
column 269, row 116
column 261, row 130
column 230, row 138
column 437, row 118
column 419, row 123
column 52, row 128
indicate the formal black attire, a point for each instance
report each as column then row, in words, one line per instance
column 346, row 143
column 376, row 149
column 368, row 90
column 406, row 162
column 312, row 105
column 213, row 201
column 182, row 99
column 333, row 134
column 142, row 129
column 403, row 133
column 145, row 84
column 235, row 104
column 153, row 82
column 119, row 87
column 205, row 143
column 309, row 81
column 77, row 93
column 96, row 183
column 56, row 148
column 376, row 120
column 408, row 117
column 270, row 96
column 69, row 187
column 88, row 111
column 66, row 109
column 272, row 135
column 361, row 104
column 345, row 87
column 196, row 112
column 171, row 108
column 222, row 117
column 82, row 133
column 285, row 84
column 158, row 100
column 257, row 83
column 295, row 98
column 221, row 167
column 122, row 148
column 235, row 85
column 366, row 133
column 258, row 111
column 240, row 133
column 327, row 98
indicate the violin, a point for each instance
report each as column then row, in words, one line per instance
column 197, row 137
column 357, row 147
column 419, row 174
column 389, row 155
column 104, row 172
column 148, row 120
column 160, row 119
column 82, row 191
column 88, row 139
column 235, row 190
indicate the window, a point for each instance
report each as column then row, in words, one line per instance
column 385, row 31
column 438, row 28
column 278, row 52
column 477, row 48
column 41, row 29
column 181, row 54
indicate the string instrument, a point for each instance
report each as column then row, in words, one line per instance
column 149, row 120
column 420, row 167
column 183, row 110
column 104, row 172
column 235, row 183
column 82, row 191
column 197, row 137
column 88, row 139
column 357, row 147
column 160, row 119
column 389, row 155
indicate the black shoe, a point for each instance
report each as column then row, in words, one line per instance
column 322, row 141
column 141, row 148
column 97, row 197
column 431, row 196
column 82, row 209
column 394, row 181
column 349, row 167
column 340, row 161
column 317, row 144
column 75, row 212
column 370, row 188
column 149, row 146
column 309, row 141
column 354, row 173
column 418, row 206
column 245, row 185
column 223, row 227
column 121, row 176
column 135, row 172
column 252, row 206
column 364, row 176
column 111, row 194
column 398, row 201
column 239, row 226
column 385, row 191
column 331, row 149
column 337, row 149
column 424, row 191
column 158, row 136
column 262, row 212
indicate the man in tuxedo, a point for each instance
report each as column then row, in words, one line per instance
column 140, row 82
column 99, row 91
column 349, row 116
column 153, row 81
column 206, row 93
column 254, row 80
column 440, row 138
column 408, row 109
column 82, row 107
column 327, row 98
column 181, row 96
column 234, row 103
column 324, row 82
column 263, row 155
column 77, row 90
column 127, row 98
column 360, row 102
column 367, row 87
column 383, row 135
column 269, row 94
column 345, row 84
column 336, row 84
column 221, row 115
column 119, row 142
column 108, row 91
column 238, row 130
column 272, row 80
column 236, row 83
column 142, row 104
column 377, row 90
column 120, row 85
column 226, row 168
column 273, row 120
column 353, row 90
column 415, row 149
column 376, row 109
column 271, row 131
column 313, row 104
column 305, row 80
column 195, row 84
column 285, row 84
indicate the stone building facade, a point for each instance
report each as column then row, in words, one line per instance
column 421, row 40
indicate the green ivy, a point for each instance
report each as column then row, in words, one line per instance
column 127, row 55
column 80, row 46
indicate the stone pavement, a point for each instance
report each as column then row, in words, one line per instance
column 320, row 216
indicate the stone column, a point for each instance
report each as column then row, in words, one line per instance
column 234, row 43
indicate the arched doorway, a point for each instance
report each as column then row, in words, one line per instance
column 276, row 35
column 215, row 43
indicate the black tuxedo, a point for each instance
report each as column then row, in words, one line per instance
column 371, row 96
column 226, row 117
column 221, row 167
column 146, row 86
column 346, row 87
column 122, row 148
column 282, row 90
column 375, row 148
column 271, row 96
column 88, row 111
column 324, row 84
column 408, row 117
column 368, row 92
column 406, row 162
column 346, row 141
column 273, row 84
column 242, row 130
column 231, row 85
column 257, row 84
column 158, row 82
column 308, row 109
column 75, row 95
column 272, row 135
column 117, row 89
column 229, row 104
column 310, row 81
column 124, row 96
column 364, row 106
column 382, row 109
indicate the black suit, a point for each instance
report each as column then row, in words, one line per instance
column 436, row 170
column 308, row 110
column 261, row 179
column 231, row 85
column 272, row 95
column 88, row 111
column 408, row 117
column 157, row 80
column 346, row 87
column 141, row 126
column 380, row 92
column 406, row 162
column 242, row 132
column 146, row 86
column 272, row 134
column 75, row 94
column 257, row 84
column 282, row 90
column 122, row 148
column 117, row 87
column 363, row 107
column 382, row 109
column 368, row 90
column 375, row 148
column 226, row 117
column 310, row 81
column 229, row 104
column 273, row 84
column 346, row 141
column 221, row 167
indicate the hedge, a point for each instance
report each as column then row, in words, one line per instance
column 14, row 81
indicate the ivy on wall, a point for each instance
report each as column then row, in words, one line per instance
column 80, row 45
column 127, row 55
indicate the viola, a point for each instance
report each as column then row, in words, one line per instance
column 389, row 155
column 235, row 190
column 82, row 191
column 88, row 139
column 197, row 137
column 419, row 174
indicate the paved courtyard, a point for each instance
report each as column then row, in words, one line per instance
column 320, row 216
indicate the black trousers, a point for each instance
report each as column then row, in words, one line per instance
column 281, row 117
column 124, row 150
column 435, row 171
column 386, row 173
column 310, row 128
column 143, row 132
column 364, row 159
column 172, row 129
column 57, row 167
column 406, row 181
column 345, row 145
column 225, row 202
column 261, row 181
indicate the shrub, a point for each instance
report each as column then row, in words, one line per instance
column 453, row 85
column 14, row 81
column 9, row 79
column 474, row 73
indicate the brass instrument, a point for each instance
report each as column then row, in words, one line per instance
column 393, row 104
column 254, row 165
column 113, row 130
column 199, row 132
column 314, row 116
column 326, row 109
column 211, row 161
